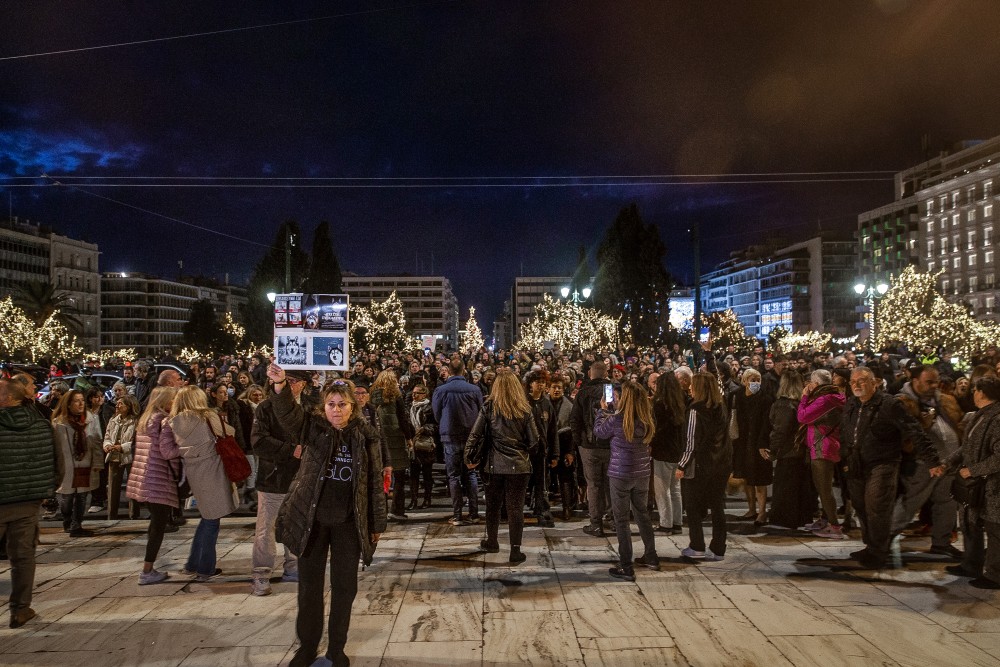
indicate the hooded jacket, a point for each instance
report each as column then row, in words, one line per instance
column 27, row 456
column 821, row 414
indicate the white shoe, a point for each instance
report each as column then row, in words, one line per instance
column 260, row 587
column 688, row 552
column 95, row 509
column 152, row 577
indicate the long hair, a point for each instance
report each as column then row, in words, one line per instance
column 670, row 395
column 132, row 405
column 386, row 381
column 343, row 388
column 159, row 401
column 635, row 406
column 791, row 384
column 191, row 399
column 705, row 389
column 61, row 414
column 245, row 396
column 508, row 397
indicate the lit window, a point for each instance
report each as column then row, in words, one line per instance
column 973, row 282
column 930, row 267
column 954, row 220
column 987, row 210
column 930, row 247
column 971, row 215
column 945, row 284
column 972, row 260
column 988, row 257
column 956, row 264
column 954, row 243
column 930, row 207
column 972, row 193
column 958, row 285
column 944, row 201
column 972, row 241
column 988, row 189
column 989, row 304
column 987, row 236
column 930, row 228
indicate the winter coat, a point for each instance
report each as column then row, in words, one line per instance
column 514, row 442
column 297, row 515
column 980, row 453
column 563, row 410
column 668, row 438
column 872, row 433
column 395, row 428
column 456, row 405
column 120, row 432
column 93, row 458
column 231, row 412
column 424, row 428
column 630, row 459
column 156, row 465
column 708, row 450
column 784, row 426
column 822, row 414
column 545, row 423
column 586, row 404
column 274, row 448
column 210, row 487
column 27, row 455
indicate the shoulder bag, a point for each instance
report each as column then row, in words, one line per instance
column 233, row 459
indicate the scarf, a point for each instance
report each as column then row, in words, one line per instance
column 79, row 425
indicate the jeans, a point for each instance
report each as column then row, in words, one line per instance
column 202, row 556
column 595, row 469
column 399, row 491
column 793, row 498
column 116, row 471
column 264, row 546
column 340, row 542
column 703, row 493
column 918, row 488
column 626, row 494
column 19, row 525
column 506, row 490
column 822, row 477
column 874, row 496
column 460, row 478
column 72, row 505
column 159, row 517
column 251, row 482
column 667, row 491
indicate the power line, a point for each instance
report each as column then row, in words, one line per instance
column 219, row 32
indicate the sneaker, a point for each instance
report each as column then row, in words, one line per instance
column 170, row 528
column 290, row 577
column 688, row 552
column 831, row 532
column 397, row 517
column 594, row 531
column 712, row 557
column 95, row 509
column 202, row 578
column 677, row 530
column 473, row 519
column 949, row 550
column 260, row 587
column 456, row 521
column 666, row 530
column 627, row 574
column 650, row 562
column 818, row 524
column 152, row 577
column 517, row 556
column 489, row 548
column 21, row 616
column 983, row 582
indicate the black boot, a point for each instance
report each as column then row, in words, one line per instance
column 516, row 556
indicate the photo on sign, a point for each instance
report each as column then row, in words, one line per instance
column 291, row 350
column 328, row 351
column 325, row 312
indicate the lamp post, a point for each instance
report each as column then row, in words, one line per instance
column 870, row 294
column 576, row 301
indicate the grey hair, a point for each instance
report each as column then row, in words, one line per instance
column 821, row 376
column 684, row 370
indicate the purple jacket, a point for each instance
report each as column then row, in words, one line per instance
column 629, row 460
column 822, row 416
column 151, row 479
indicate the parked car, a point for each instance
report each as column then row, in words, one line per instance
column 104, row 379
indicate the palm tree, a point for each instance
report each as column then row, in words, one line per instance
column 39, row 300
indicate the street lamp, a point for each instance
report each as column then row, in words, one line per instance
column 576, row 300
column 870, row 294
column 271, row 296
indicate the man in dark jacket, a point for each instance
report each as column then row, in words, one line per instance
column 547, row 455
column 595, row 453
column 872, row 433
column 456, row 405
column 27, row 477
column 278, row 454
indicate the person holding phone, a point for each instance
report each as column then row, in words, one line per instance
column 595, row 452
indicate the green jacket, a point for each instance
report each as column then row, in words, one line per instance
column 27, row 456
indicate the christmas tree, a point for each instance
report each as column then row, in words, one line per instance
column 567, row 324
column 472, row 340
column 381, row 326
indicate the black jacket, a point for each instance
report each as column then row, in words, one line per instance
column 784, row 425
column 513, row 443
column 588, row 400
column 873, row 433
column 707, row 445
column 668, row 438
column 545, row 423
column 298, row 510
column 273, row 446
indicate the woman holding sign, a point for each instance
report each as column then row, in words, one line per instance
column 335, row 506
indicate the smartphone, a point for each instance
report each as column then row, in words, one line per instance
column 703, row 335
column 609, row 394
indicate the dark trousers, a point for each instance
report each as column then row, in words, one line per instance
column 99, row 496
column 980, row 560
column 625, row 495
column 159, row 517
column 19, row 525
column 874, row 496
column 793, row 499
column 72, row 506
column 115, row 472
column 460, row 479
column 595, row 468
column 340, row 542
column 539, row 485
column 421, row 468
column 703, row 494
column 399, row 491
column 506, row 490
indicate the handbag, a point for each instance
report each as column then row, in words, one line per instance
column 81, row 478
column 476, row 453
column 234, row 461
column 734, row 426
column 423, row 443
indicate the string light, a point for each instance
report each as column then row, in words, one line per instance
column 233, row 328
column 472, row 340
column 565, row 324
column 120, row 356
column 726, row 329
column 22, row 340
column 383, row 324
column 814, row 341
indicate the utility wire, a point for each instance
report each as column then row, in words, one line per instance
column 460, row 178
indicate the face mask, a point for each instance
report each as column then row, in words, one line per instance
column 754, row 387
column 231, row 391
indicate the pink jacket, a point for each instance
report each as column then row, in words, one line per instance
column 821, row 415
column 153, row 467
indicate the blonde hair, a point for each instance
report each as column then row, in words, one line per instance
column 635, row 405
column 159, row 401
column 191, row 399
column 508, row 397
column 705, row 388
column 344, row 388
column 386, row 381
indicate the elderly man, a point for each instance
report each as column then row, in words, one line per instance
column 872, row 433
column 27, row 477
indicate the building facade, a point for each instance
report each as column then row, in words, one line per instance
column 32, row 253
column 429, row 304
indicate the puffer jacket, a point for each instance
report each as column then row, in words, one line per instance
column 202, row 464
column 298, row 510
column 630, row 459
column 122, row 432
column 980, row 453
column 821, row 414
column 155, row 466
column 872, row 433
column 514, row 442
column 93, row 458
column 273, row 446
column 27, row 456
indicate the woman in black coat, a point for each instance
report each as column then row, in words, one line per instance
column 794, row 497
column 749, row 408
column 667, row 446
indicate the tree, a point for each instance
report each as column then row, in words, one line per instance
column 567, row 323
column 324, row 269
column 472, row 340
column 269, row 276
column 631, row 279
column 381, row 326
column 21, row 339
column 40, row 300
column 203, row 330
column 726, row 329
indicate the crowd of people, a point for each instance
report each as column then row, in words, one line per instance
column 654, row 437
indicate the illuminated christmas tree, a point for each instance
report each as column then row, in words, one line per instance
column 381, row 326
column 565, row 324
column 23, row 340
column 472, row 340
column 726, row 329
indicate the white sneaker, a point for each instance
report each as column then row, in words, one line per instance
column 95, row 509
column 260, row 587
column 152, row 577
column 818, row 524
column 709, row 556
column 831, row 532
column 688, row 552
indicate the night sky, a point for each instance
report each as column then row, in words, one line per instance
column 477, row 93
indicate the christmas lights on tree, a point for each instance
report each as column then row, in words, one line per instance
column 566, row 324
column 726, row 329
column 472, row 340
column 811, row 341
column 233, row 328
column 23, row 340
column 381, row 325
column 118, row 356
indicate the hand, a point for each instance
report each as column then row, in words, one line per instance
column 569, row 459
column 553, row 463
column 276, row 373
column 470, row 466
column 679, row 474
column 937, row 471
column 707, row 346
column 375, row 537
column 387, row 470
column 964, row 473
column 604, row 404
column 298, row 452
column 765, row 454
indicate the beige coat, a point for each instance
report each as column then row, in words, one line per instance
column 210, row 487
column 93, row 459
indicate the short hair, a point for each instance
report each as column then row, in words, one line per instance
column 343, row 388
column 917, row 372
column 13, row 388
column 132, row 405
column 161, row 379
column 821, row 376
column 990, row 386
column 457, row 365
column 683, row 370
column 750, row 374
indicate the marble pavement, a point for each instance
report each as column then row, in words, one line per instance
column 432, row 599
